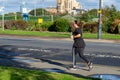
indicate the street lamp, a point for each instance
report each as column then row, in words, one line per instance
column 100, row 20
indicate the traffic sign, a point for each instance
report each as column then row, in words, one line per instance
column 40, row 20
column 1, row 9
column 99, row 11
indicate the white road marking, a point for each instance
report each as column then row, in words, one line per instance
column 103, row 56
column 30, row 49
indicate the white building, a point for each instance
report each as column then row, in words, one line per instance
column 64, row 6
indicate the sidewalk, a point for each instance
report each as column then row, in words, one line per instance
column 61, row 66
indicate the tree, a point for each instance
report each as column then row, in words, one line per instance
column 89, row 15
column 39, row 12
column 109, row 15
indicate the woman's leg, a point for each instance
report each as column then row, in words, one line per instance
column 74, row 57
column 81, row 54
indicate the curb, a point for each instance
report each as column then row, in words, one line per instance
column 59, row 38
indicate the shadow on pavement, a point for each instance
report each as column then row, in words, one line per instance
column 60, row 70
column 8, row 52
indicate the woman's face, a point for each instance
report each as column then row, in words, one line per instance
column 73, row 25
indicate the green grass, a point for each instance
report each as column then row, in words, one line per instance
column 9, row 73
column 103, row 36
column 59, row 34
column 35, row 33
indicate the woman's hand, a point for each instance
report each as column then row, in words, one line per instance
column 72, row 37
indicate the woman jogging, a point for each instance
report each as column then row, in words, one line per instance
column 79, row 45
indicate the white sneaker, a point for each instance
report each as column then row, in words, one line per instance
column 73, row 68
column 90, row 66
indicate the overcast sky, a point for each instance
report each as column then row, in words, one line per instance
column 14, row 5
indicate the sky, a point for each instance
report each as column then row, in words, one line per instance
column 14, row 5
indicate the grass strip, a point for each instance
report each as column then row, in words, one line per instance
column 35, row 33
column 10, row 73
column 59, row 34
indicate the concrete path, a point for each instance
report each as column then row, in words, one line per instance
column 61, row 66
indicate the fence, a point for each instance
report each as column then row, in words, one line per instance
column 45, row 18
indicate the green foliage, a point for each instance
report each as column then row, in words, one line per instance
column 91, row 27
column 118, row 28
column 69, row 18
column 39, row 12
column 85, row 17
column 18, row 24
column 81, row 24
column 114, row 28
column 58, row 34
column 109, row 15
column 60, row 25
column 45, row 26
column 9, row 73
column 34, row 26
column 13, row 14
column 89, row 15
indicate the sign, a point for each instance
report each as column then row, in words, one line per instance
column 1, row 9
column 40, row 20
column 99, row 11
column 24, row 10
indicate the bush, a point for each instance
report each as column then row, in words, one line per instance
column 114, row 27
column 60, row 25
column 19, row 24
column 91, row 27
column 31, row 25
column 34, row 26
column 45, row 26
column 81, row 24
column 105, row 25
column 119, row 28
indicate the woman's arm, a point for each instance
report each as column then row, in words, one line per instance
column 77, row 36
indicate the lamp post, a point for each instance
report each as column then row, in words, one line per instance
column 100, row 20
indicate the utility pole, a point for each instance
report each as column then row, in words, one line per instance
column 100, row 20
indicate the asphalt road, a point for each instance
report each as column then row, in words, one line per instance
column 99, row 53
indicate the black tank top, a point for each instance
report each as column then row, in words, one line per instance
column 78, row 42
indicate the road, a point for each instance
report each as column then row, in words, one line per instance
column 99, row 53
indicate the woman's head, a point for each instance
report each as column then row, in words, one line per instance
column 75, row 24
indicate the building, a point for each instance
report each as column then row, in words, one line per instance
column 52, row 10
column 66, row 6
